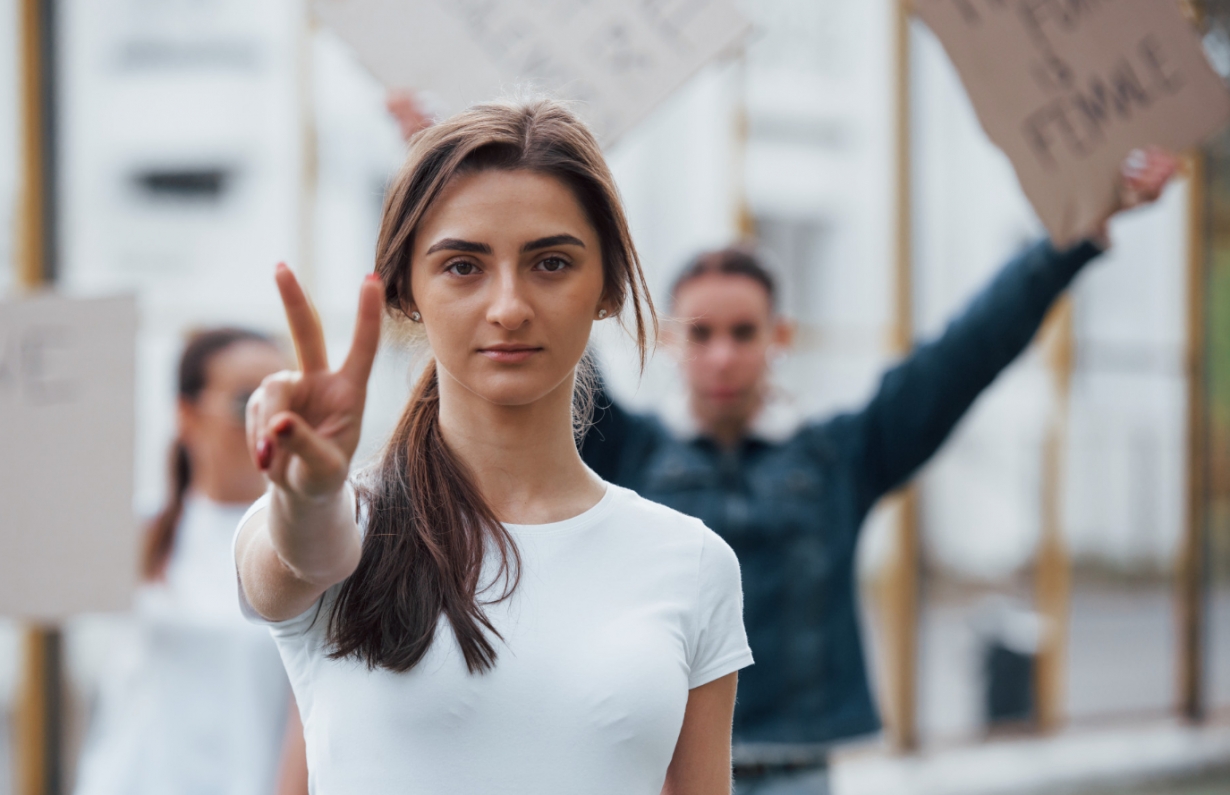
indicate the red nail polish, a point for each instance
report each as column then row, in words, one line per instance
column 284, row 428
column 264, row 453
column 372, row 277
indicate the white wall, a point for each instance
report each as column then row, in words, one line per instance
column 227, row 90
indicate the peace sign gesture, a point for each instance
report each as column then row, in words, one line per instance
column 303, row 427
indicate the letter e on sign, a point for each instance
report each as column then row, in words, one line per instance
column 68, row 537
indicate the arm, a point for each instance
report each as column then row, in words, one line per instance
column 293, row 772
column 922, row 398
column 303, row 429
column 701, row 763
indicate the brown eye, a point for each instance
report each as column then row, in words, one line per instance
column 699, row 334
column 462, row 268
column 553, row 264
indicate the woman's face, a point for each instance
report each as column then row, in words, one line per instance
column 212, row 426
column 729, row 334
column 507, row 275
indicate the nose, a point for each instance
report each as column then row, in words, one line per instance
column 509, row 307
column 720, row 352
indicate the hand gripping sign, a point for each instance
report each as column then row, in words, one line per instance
column 68, row 537
column 1067, row 88
column 617, row 58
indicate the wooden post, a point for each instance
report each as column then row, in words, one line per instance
column 745, row 220
column 309, row 156
column 1190, row 579
column 902, row 587
column 38, row 725
column 1053, row 573
column 36, row 250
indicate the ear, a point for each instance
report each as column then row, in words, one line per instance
column 783, row 333
column 606, row 309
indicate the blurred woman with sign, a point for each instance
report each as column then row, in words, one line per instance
column 196, row 701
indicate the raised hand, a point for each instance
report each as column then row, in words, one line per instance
column 303, row 427
column 1144, row 175
column 407, row 108
column 1142, row 178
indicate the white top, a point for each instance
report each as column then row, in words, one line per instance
column 619, row 612
column 194, row 699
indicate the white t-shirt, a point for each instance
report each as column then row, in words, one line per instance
column 193, row 700
column 619, row 612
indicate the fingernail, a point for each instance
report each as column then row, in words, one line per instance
column 264, row 453
column 284, row 428
column 372, row 277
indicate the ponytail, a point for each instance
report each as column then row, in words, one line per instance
column 423, row 551
column 160, row 535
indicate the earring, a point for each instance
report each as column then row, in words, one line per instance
column 416, row 317
column 601, row 314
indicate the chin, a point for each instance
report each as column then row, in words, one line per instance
column 730, row 410
column 516, row 388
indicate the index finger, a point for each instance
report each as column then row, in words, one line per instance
column 305, row 328
column 358, row 365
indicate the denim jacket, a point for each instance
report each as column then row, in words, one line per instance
column 791, row 506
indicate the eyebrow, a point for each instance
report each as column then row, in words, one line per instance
column 553, row 240
column 453, row 244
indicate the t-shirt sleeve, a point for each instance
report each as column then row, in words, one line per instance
column 291, row 626
column 719, row 641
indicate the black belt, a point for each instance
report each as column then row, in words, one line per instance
column 758, row 769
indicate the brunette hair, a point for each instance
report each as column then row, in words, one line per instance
column 200, row 351
column 730, row 261
column 428, row 526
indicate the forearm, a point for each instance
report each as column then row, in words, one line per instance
column 289, row 554
column 920, row 400
column 316, row 539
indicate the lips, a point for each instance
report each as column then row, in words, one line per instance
column 509, row 353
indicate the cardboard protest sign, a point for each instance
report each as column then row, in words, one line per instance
column 68, row 537
column 1067, row 88
column 617, row 59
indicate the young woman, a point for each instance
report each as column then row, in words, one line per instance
column 196, row 700
column 480, row 612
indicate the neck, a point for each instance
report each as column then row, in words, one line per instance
column 524, row 458
column 727, row 429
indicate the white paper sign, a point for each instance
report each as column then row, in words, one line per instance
column 1068, row 87
column 68, row 537
column 617, row 58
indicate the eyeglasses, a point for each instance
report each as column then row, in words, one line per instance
column 236, row 405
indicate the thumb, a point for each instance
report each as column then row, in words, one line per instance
column 322, row 465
